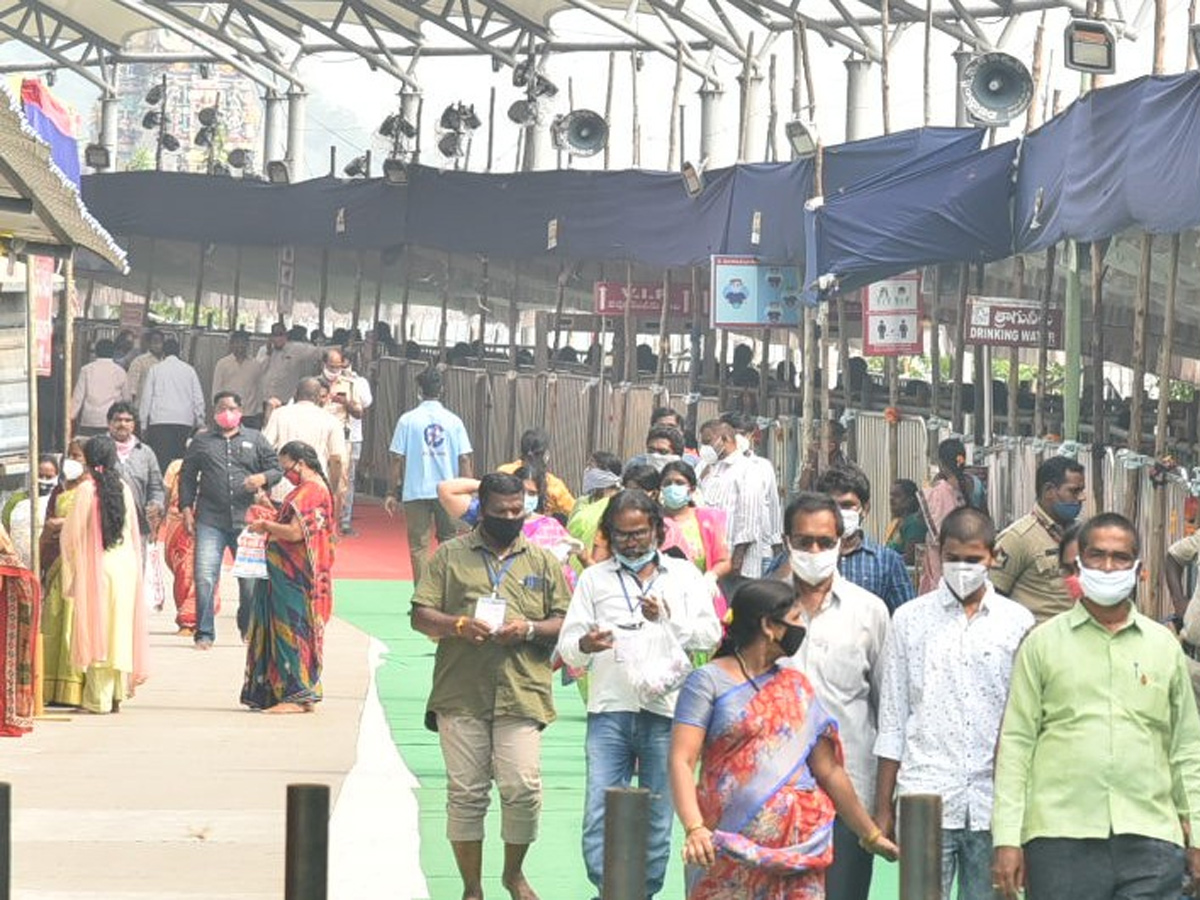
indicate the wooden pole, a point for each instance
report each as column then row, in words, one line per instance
column 637, row 121
column 697, row 365
column 407, row 275
column 663, row 341
column 324, row 296
column 1011, row 412
column 1047, row 291
column 744, row 112
column 764, row 369
column 982, row 378
column 491, row 137
column 237, row 289
column 1141, row 314
column 927, row 67
column 772, row 144
column 806, row 65
column 808, row 364
column 723, row 371
column 199, row 286
column 608, row 103
column 358, row 285
column 960, row 349
column 378, row 293
column 560, row 294
column 1035, row 73
column 514, row 323
column 443, row 323
column 676, row 93
column 1160, row 36
column 1191, row 51
column 485, row 289
column 844, row 364
column 68, row 349
column 1099, row 418
column 884, row 79
column 1167, row 348
column 630, row 361
column 935, row 353
column 797, row 71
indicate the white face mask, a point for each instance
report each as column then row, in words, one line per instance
column 851, row 521
column 1108, row 588
column 708, row 455
column 742, row 443
column 814, row 568
column 72, row 469
column 964, row 578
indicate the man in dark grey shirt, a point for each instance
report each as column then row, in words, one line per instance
column 222, row 471
column 138, row 465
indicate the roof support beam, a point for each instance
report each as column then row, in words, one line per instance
column 676, row 11
column 477, row 41
column 55, row 48
column 828, row 30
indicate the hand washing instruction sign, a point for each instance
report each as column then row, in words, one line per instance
column 748, row 291
column 892, row 317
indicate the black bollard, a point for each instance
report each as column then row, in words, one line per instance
column 920, row 833
column 5, row 840
column 626, row 833
column 306, row 874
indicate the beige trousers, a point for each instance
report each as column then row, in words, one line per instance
column 476, row 751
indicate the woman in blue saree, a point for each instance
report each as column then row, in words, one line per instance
column 292, row 605
column 760, row 824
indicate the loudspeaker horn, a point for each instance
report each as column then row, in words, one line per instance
column 581, row 132
column 996, row 88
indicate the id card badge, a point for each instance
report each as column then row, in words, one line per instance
column 490, row 609
column 626, row 643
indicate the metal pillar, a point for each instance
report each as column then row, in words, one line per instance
column 272, row 110
column 410, row 102
column 755, row 138
column 858, row 100
column 710, row 102
column 920, row 846
column 109, row 106
column 296, row 100
column 626, row 832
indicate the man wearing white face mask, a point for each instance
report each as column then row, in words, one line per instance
column 727, row 484
column 946, row 668
column 1098, row 764
column 842, row 658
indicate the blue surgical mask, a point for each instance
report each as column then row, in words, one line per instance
column 636, row 563
column 675, row 496
column 1067, row 512
column 531, row 502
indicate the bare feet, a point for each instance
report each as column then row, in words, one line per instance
column 518, row 888
column 283, row 709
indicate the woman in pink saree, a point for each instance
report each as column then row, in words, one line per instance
column 759, row 826
column 102, row 574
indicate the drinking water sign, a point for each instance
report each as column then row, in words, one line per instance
column 1009, row 322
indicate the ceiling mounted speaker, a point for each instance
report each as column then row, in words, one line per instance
column 581, row 132
column 523, row 113
column 996, row 88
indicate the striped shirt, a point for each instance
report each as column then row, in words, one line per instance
column 879, row 571
column 734, row 485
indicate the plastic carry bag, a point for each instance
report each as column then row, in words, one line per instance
column 251, row 559
column 658, row 664
column 154, row 583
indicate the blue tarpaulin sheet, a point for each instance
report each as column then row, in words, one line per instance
column 630, row 215
column 949, row 210
column 1123, row 157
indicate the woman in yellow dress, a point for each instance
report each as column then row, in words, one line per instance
column 61, row 685
column 102, row 574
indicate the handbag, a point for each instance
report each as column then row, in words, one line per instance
column 251, row 558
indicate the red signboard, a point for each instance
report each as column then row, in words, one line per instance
column 1008, row 322
column 42, row 309
column 647, row 298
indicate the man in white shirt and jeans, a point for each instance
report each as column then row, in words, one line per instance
column 171, row 405
column 101, row 383
column 842, row 656
column 946, row 671
column 616, row 605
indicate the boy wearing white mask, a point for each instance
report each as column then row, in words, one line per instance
column 842, row 658
column 946, row 670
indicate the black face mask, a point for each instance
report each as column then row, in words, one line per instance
column 502, row 531
column 793, row 637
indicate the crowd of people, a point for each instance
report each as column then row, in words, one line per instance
column 812, row 675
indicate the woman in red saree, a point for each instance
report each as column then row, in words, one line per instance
column 292, row 605
column 760, row 824
column 179, row 550
column 20, row 605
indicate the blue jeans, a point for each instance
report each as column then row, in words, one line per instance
column 970, row 852
column 211, row 543
column 616, row 741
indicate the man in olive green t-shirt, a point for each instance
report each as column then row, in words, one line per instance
column 494, row 603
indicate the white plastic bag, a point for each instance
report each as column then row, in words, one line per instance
column 154, row 585
column 658, row 665
column 251, row 559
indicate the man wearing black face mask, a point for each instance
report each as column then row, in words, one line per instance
column 495, row 603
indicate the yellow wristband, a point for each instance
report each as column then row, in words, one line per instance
column 458, row 625
column 869, row 841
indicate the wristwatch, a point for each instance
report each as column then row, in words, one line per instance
column 529, row 631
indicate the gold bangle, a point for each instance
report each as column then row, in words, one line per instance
column 458, row 625
column 869, row 841
column 689, row 830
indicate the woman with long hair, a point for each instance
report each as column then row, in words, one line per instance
column 102, row 575
column 701, row 528
column 62, row 685
column 293, row 603
column 535, row 455
column 952, row 488
column 760, row 822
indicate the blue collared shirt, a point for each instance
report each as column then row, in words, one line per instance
column 880, row 571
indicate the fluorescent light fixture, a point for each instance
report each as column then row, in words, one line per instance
column 96, row 156
column 803, row 137
column 278, row 172
column 693, row 179
column 1090, row 47
column 395, row 171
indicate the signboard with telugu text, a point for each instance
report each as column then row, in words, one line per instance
column 1010, row 322
column 892, row 317
column 609, row 298
column 43, row 311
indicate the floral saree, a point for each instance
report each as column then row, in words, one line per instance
column 772, row 824
column 291, row 606
column 20, row 604
column 179, row 551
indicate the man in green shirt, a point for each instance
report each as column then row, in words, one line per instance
column 1098, row 767
column 494, row 603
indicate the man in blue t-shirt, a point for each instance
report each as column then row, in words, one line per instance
column 429, row 445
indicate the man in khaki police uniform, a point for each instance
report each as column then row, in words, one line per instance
column 1025, row 567
column 495, row 604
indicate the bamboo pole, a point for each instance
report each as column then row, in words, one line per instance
column 407, row 287
column 884, row 79
column 237, row 289
column 637, row 121
column 806, row 65
column 797, row 71
column 960, row 346
column 560, row 296
column 935, row 355
column 927, row 67
column 630, row 367
column 1014, row 353
column 68, row 349
column 697, row 366
column 31, row 360
column 1035, row 73
column 1039, row 402
column 746, row 79
column 1141, row 314
column 199, row 286
column 1160, row 36
column 1167, row 348
column 674, row 137
column 663, row 341
column 764, row 368
column 608, row 103
column 514, row 323
column 356, row 313
column 722, row 371
column 1191, row 51
column 324, row 295
column 772, row 145
column 378, row 293
column 485, row 289
column 491, row 134
column 1099, row 419
column 445, row 310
